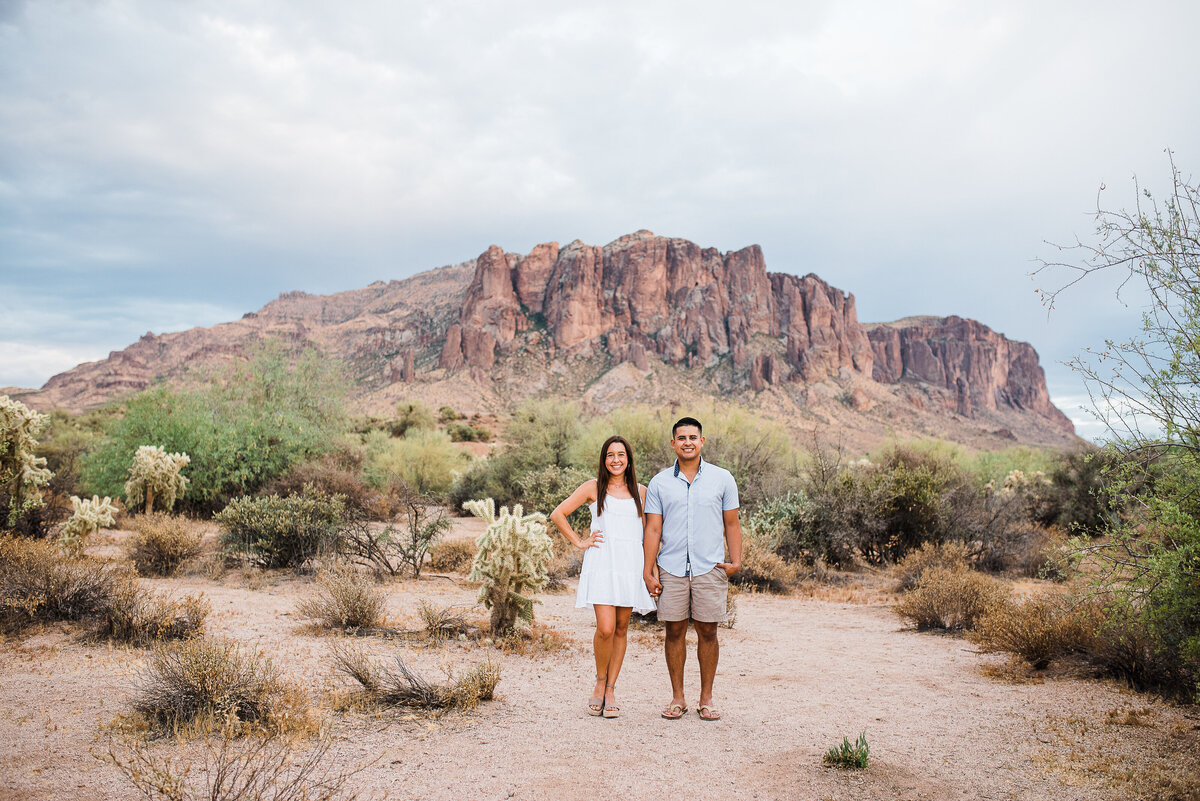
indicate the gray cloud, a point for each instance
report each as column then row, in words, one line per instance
column 917, row 156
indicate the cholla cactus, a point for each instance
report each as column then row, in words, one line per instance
column 1017, row 481
column 89, row 517
column 22, row 475
column 155, row 474
column 511, row 562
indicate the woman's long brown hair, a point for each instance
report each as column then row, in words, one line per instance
column 603, row 476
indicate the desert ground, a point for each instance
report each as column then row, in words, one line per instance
column 797, row 674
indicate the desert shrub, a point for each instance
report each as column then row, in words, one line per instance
column 212, row 684
column 442, row 623
column 511, row 563
column 392, row 548
column 161, row 543
column 344, row 598
column 38, row 582
column 258, row 769
column 1038, row 630
column 282, row 532
column 647, row 430
column 763, row 568
column 90, row 515
column 908, row 571
column 951, row 599
column 23, row 473
column 462, row 432
column 410, row 416
column 851, row 757
column 542, row 490
column 404, row 687
column 425, row 460
column 156, row 475
column 1076, row 497
column 136, row 616
column 247, row 423
column 452, row 556
column 447, row 414
column 329, row 478
column 757, row 450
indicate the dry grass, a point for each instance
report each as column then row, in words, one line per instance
column 252, row 770
column 344, row 599
column 765, row 570
column 951, row 600
column 453, row 556
column 442, row 623
column 383, row 686
column 161, row 543
column 211, row 685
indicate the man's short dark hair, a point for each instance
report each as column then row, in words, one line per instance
column 686, row 421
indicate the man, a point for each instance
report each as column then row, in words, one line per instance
column 692, row 511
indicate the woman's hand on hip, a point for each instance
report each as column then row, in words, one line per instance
column 593, row 541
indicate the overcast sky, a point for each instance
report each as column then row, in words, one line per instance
column 171, row 164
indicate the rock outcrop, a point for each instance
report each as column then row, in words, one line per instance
column 645, row 294
column 561, row 317
column 981, row 368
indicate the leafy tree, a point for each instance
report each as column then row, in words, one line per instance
column 249, row 422
column 1147, row 391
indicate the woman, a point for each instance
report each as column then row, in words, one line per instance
column 610, row 581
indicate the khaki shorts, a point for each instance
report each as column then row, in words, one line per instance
column 699, row 598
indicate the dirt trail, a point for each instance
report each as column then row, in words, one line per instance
column 795, row 677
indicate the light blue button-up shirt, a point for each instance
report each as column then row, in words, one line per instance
column 693, row 529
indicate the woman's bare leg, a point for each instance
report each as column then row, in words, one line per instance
column 619, row 642
column 602, row 644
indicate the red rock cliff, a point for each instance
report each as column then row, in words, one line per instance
column 983, row 368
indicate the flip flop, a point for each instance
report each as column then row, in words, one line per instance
column 674, row 711
column 707, row 712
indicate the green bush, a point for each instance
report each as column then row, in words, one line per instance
column 248, row 423
column 425, row 460
column 851, row 757
column 461, row 432
column 410, row 416
column 282, row 532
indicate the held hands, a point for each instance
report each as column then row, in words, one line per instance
column 593, row 541
column 653, row 586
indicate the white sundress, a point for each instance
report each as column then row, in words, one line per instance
column 612, row 573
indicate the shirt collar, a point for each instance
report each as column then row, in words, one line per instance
column 698, row 469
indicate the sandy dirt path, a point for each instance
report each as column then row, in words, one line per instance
column 795, row 677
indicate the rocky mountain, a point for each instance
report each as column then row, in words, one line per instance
column 643, row 319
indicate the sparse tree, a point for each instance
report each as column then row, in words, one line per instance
column 22, row 474
column 1147, row 392
column 89, row 517
column 511, row 563
column 156, row 475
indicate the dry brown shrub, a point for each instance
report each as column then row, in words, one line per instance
column 402, row 686
column 763, row 569
column 344, row 598
column 443, row 623
column 38, row 583
column 1038, row 630
column 253, row 770
column 210, row 684
column 951, row 599
column 161, row 543
column 139, row 617
column 452, row 556
column 908, row 571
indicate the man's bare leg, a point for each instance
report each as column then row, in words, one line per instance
column 708, row 650
column 676, row 653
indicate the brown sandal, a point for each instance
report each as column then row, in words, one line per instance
column 675, row 711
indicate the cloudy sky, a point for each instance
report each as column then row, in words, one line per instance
column 165, row 165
